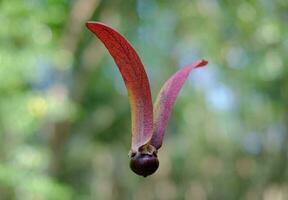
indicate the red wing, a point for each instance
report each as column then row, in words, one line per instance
column 135, row 78
column 166, row 99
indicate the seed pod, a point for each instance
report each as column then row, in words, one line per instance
column 144, row 164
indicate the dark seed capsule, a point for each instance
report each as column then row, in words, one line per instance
column 144, row 164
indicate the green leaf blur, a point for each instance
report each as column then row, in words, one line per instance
column 65, row 117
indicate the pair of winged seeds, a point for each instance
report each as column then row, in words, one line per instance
column 148, row 122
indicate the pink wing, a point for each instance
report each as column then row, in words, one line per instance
column 165, row 101
column 135, row 78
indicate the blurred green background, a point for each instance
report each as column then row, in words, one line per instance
column 65, row 117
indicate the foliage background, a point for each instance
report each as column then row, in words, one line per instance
column 64, row 113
